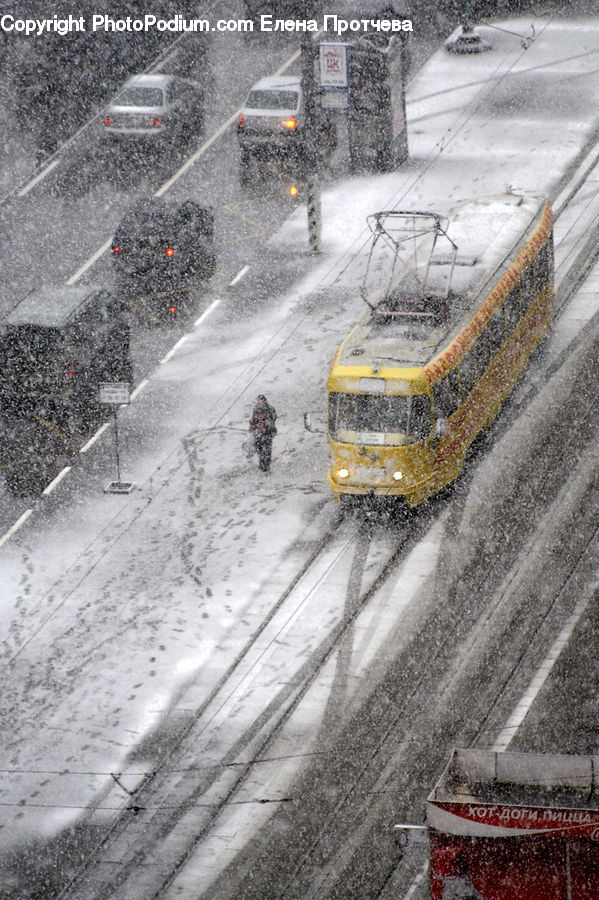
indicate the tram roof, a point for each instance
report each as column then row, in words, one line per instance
column 489, row 232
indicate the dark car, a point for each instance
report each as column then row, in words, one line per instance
column 158, row 245
column 56, row 347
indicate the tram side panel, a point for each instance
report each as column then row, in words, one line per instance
column 494, row 364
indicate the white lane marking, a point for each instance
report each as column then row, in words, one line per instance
column 50, row 487
column 291, row 59
column 174, row 348
column 38, row 178
column 16, row 526
column 188, row 163
column 206, row 313
column 168, row 58
column 239, row 276
column 90, row 261
column 94, row 437
column 182, row 339
column 138, row 389
column 509, row 730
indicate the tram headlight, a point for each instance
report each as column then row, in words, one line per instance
column 398, row 475
column 342, row 473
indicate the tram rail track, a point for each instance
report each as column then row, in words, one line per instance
column 198, row 818
column 449, row 678
column 225, row 777
column 533, row 645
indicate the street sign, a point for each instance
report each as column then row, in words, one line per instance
column 334, row 77
column 333, row 65
column 117, row 392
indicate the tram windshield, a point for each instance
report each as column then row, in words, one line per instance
column 368, row 418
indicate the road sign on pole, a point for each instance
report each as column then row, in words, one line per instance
column 311, row 152
column 334, row 75
column 116, row 394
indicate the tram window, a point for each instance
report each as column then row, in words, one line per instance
column 447, row 396
column 482, row 352
column 527, row 287
column 512, row 309
column 542, row 268
column 407, row 418
column 454, row 381
column 496, row 331
column 468, row 372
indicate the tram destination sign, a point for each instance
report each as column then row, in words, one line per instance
column 116, row 392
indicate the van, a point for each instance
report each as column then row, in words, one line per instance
column 56, row 347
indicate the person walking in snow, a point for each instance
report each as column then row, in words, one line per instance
column 263, row 429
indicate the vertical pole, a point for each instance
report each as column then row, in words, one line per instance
column 116, row 446
column 466, row 18
column 314, row 213
column 311, row 151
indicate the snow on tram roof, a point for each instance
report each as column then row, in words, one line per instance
column 488, row 232
column 486, row 227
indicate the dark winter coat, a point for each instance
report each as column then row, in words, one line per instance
column 262, row 422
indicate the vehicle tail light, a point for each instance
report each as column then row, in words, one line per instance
column 240, row 122
column 70, row 372
column 290, row 123
column 155, row 121
column 108, row 120
column 170, row 251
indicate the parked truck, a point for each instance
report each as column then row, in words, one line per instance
column 56, row 347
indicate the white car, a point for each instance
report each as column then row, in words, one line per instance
column 272, row 120
column 152, row 110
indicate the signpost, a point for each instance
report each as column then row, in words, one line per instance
column 310, row 150
column 116, row 394
column 334, row 75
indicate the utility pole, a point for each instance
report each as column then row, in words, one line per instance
column 310, row 150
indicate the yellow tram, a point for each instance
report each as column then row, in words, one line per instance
column 449, row 334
